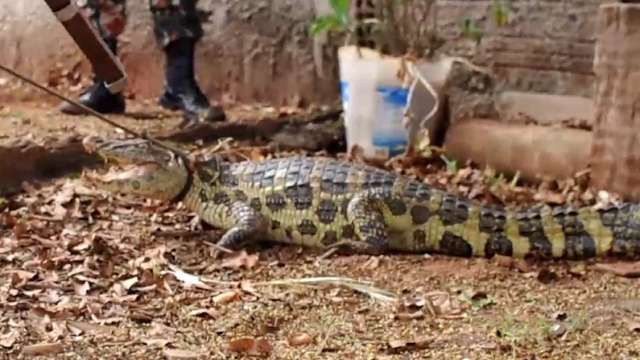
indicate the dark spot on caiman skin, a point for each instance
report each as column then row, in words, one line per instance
column 204, row 198
column 397, row 207
column 420, row 239
column 498, row 244
column 228, row 180
column 136, row 185
column 578, row 242
column 378, row 179
column 275, row 202
column 327, row 211
column 417, row 191
column 204, row 174
column 301, row 196
column 330, row 238
column 453, row 211
column 289, row 231
column 420, row 214
column 348, row 231
column 492, row 222
column 307, row 227
column 240, row 195
column 221, row 197
column 579, row 247
column 256, row 204
column 530, row 226
column 455, row 245
column 275, row 225
column 333, row 186
column 334, row 179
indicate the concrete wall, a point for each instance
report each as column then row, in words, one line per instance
column 258, row 50
column 253, row 50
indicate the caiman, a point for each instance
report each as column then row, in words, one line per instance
column 325, row 203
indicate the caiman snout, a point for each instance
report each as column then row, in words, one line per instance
column 138, row 168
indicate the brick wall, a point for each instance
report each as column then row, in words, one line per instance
column 548, row 45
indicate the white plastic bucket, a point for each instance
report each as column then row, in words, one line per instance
column 374, row 99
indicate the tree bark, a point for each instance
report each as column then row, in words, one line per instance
column 615, row 153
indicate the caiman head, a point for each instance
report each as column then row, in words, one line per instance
column 140, row 168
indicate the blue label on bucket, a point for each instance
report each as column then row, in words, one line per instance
column 344, row 90
column 394, row 96
column 388, row 132
column 393, row 146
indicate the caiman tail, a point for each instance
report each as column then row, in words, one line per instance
column 544, row 232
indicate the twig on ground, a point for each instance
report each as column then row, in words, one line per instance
column 360, row 286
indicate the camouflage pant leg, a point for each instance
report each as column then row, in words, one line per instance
column 173, row 19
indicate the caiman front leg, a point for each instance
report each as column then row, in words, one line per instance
column 243, row 224
column 365, row 214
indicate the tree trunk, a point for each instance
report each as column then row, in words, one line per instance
column 615, row 154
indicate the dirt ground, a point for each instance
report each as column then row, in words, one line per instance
column 84, row 275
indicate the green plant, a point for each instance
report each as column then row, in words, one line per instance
column 452, row 165
column 500, row 12
column 339, row 20
column 393, row 27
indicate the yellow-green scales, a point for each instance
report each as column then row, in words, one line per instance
column 321, row 202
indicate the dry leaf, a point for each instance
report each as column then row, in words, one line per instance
column 226, row 297
column 241, row 260
column 20, row 229
column 187, row 279
column 372, row 264
column 410, row 315
column 160, row 343
column 557, row 330
column 250, row 346
column 634, row 326
column 624, row 269
column 300, row 339
column 82, row 289
column 90, row 328
column 179, row 354
column 65, row 195
column 127, row 284
column 20, row 277
column 415, row 344
column 201, row 312
column 547, row 276
column 550, row 197
column 247, row 287
column 7, row 340
column 43, row 349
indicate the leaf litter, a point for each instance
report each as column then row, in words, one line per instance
column 84, row 267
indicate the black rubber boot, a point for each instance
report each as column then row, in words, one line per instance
column 97, row 97
column 181, row 90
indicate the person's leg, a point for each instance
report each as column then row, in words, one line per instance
column 109, row 19
column 178, row 28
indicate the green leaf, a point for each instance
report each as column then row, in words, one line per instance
column 341, row 10
column 340, row 7
column 500, row 13
column 325, row 23
column 471, row 30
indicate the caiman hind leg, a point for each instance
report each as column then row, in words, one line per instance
column 245, row 224
column 365, row 213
